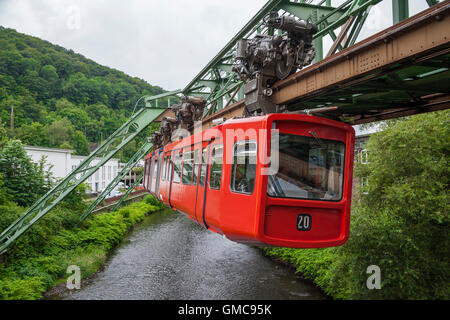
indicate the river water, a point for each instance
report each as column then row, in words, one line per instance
column 168, row 256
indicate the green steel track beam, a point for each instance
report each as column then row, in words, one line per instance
column 150, row 99
column 211, row 81
column 129, row 190
column 130, row 165
column 269, row 6
column 135, row 125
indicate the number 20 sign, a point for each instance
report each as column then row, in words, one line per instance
column 304, row 222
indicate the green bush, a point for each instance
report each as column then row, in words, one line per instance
column 402, row 225
column 41, row 256
column 21, row 289
column 153, row 201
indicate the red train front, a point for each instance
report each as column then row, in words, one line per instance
column 275, row 180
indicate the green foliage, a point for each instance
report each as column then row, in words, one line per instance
column 21, row 289
column 42, row 255
column 149, row 199
column 4, row 196
column 402, row 225
column 24, row 180
column 60, row 98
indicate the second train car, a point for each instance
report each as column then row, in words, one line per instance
column 275, row 180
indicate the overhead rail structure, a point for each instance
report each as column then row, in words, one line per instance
column 126, row 169
column 222, row 88
column 400, row 71
column 135, row 125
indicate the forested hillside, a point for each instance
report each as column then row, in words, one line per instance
column 60, row 98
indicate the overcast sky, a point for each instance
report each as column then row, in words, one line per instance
column 165, row 42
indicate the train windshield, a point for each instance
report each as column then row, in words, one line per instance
column 309, row 168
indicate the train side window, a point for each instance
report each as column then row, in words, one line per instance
column 155, row 172
column 163, row 167
column 163, row 173
column 177, row 167
column 188, row 167
column 150, row 173
column 169, row 166
column 196, row 165
column 166, row 164
column 169, row 174
column 243, row 170
column 216, row 167
column 147, row 162
column 201, row 180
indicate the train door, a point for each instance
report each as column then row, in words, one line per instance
column 158, row 173
column 150, row 173
column 215, row 187
column 202, row 172
column 164, row 188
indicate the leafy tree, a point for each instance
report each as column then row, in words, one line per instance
column 402, row 225
column 33, row 134
column 58, row 132
column 4, row 197
column 46, row 83
column 79, row 142
column 49, row 73
column 24, row 180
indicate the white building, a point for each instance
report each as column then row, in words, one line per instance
column 61, row 162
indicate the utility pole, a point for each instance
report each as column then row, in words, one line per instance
column 12, row 118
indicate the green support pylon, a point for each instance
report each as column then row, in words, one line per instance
column 130, row 165
column 129, row 190
column 400, row 10
column 135, row 125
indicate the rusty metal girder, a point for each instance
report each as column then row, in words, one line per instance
column 406, row 51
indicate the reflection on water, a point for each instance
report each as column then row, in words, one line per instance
column 170, row 257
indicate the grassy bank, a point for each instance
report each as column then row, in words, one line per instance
column 41, row 257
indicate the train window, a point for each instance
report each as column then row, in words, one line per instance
column 150, row 177
column 201, row 180
column 243, row 170
column 166, row 165
column 168, row 168
column 196, row 165
column 155, row 172
column 216, row 167
column 309, row 168
column 188, row 167
column 177, row 167
column 163, row 168
column 146, row 172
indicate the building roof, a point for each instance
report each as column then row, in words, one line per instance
column 32, row 148
column 85, row 157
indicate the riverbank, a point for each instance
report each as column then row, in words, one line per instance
column 169, row 257
column 312, row 264
column 399, row 244
column 29, row 273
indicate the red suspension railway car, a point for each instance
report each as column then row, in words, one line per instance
column 298, row 196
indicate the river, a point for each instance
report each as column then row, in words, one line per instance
column 168, row 256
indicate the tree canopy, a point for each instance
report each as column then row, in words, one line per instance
column 52, row 90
